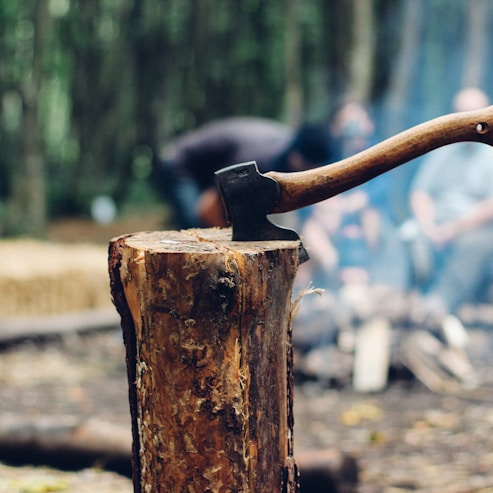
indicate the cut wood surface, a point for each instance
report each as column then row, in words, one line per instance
column 207, row 329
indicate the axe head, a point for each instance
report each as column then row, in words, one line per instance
column 248, row 197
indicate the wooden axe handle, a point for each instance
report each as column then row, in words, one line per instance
column 304, row 188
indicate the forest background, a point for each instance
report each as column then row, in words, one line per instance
column 91, row 90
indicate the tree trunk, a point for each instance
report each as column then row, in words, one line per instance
column 478, row 15
column 403, row 67
column 399, row 97
column 362, row 51
column 293, row 67
column 27, row 212
column 207, row 330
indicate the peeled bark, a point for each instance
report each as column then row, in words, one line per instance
column 206, row 325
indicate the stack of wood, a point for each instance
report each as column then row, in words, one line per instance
column 356, row 338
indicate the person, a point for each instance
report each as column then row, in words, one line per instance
column 190, row 161
column 451, row 199
column 351, row 128
column 352, row 235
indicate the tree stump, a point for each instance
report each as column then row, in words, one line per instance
column 207, row 331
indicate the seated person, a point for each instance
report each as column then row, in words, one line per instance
column 452, row 203
column 351, row 236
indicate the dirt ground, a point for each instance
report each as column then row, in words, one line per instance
column 44, row 479
column 405, row 438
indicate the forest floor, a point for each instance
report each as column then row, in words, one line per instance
column 405, row 438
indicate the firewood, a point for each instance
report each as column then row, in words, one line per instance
column 17, row 328
column 372, row 356
column 206, row 325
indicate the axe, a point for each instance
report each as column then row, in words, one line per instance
column 249, row 196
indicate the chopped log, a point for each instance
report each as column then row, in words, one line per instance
column 64, row 441
column 372, row 356
column 18, row 328
column 420, row 351
column 207, row 330
column 327, row 471
column 75, row 442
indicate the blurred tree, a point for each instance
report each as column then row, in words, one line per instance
column 362, row 50
column 399, row 93
column 101, row 95
column 26, row 211
column 476, row 47
column 400, row 80
column 293, row 64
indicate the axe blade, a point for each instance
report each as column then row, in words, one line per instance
column 248, row 197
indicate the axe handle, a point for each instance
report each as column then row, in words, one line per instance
column 303, row 188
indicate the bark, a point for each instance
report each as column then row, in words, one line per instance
column 206, row 326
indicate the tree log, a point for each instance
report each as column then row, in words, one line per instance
column 14, row 329
column 207, row 330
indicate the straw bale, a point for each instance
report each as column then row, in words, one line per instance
column 39, row 278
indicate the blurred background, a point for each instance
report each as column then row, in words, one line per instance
column 91, row 94
column 90, row 90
